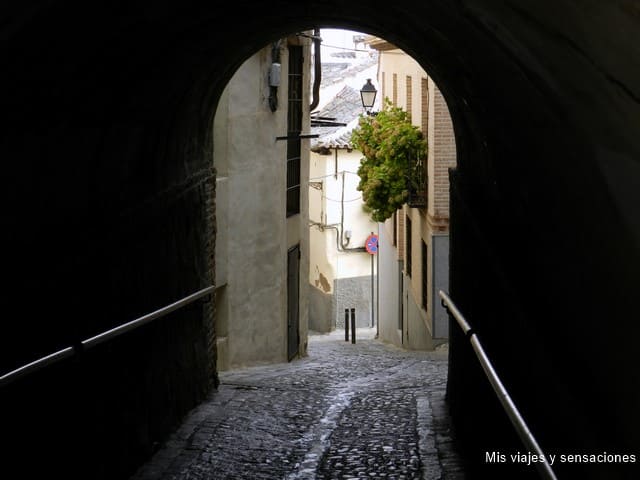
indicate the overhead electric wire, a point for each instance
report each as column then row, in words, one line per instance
column 345, row 201
column 347, row 48
column 333, row 174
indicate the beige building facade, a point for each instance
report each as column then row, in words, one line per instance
column 414, row 243
column 262, row 211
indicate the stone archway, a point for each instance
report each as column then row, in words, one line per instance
column 107, row 115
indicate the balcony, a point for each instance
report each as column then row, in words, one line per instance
column 416, row 179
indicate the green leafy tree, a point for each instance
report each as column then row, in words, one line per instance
column 391, row 146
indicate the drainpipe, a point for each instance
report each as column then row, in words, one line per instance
column 317, row 69
column 342, row 213
column 339, row 228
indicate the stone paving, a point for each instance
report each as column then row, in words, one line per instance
column 345, row 411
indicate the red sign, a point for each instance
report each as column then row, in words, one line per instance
column 371, row 245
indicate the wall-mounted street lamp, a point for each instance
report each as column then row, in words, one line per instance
column 368, row 95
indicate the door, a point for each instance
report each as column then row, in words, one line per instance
column 293, row 297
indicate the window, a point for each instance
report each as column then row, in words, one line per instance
column 408, row 249
column 395, row 228
column 294, row 127
column 425, row 276
column 409, row 93
column 394, row 90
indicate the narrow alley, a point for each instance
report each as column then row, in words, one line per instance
column 346, row 411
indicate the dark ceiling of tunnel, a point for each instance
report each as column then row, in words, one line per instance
column 106, row 105
column 537, row 91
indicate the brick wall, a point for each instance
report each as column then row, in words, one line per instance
column 424, row 105
column 400, row 219
column 442, row 156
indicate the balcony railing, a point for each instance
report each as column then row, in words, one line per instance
column 417, row 184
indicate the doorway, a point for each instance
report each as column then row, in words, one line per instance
column 293, row 302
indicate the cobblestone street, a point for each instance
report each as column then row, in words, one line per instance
column 345, row 411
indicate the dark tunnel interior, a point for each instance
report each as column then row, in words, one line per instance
column 109, row 209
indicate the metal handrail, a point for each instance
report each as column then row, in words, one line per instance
column 101, row 338
column 509, row 406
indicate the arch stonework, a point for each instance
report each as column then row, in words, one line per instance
column 107, row 113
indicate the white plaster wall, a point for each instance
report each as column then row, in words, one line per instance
column 325, row 207
column 328, row 265
column 252, row 217
column 322, row 243
column 355, row 218
column 416, row 334
column 256, row 284
column 389, row 290
column 298, row 225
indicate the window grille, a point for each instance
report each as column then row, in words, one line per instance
column 294, row 127
column 395, row 228
column 417, row 182
column 408, row 247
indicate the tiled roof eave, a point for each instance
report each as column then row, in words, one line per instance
column 341, row 138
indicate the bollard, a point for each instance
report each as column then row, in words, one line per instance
column 353, row 325
column 346, row 324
